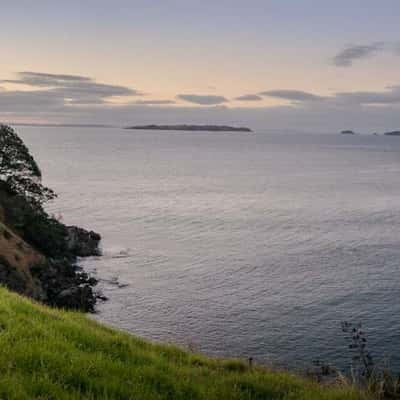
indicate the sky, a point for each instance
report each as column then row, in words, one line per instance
column 298, row 64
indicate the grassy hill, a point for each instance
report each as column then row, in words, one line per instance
column 51, row 354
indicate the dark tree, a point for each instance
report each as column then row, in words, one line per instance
column 18, row 169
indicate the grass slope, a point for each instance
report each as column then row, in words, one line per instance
column 52, row 354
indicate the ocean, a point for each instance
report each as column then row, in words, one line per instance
column 236, row 244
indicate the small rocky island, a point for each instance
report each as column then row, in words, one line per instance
column 392, row 133
column 348, row 132
column 196, row 128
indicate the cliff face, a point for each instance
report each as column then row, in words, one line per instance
column 16, row 260
column 38, row 255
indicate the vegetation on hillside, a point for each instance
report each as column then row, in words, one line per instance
column 51, row 354
column 38, row 253
column 18, row 169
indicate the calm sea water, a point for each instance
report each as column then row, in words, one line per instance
column 237, row 244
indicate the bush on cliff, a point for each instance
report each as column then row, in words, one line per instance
column 47, row 234
column 55, row 278
column 19, row 170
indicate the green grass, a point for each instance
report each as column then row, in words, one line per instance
column 52, row 354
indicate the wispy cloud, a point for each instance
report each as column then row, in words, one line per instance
column 347, row 56
column 204, row 100
column 249, row 97
column 292, row 95
column 74, row 89
column 389, row 96
column 45, row 79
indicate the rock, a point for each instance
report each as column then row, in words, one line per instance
column 348, row 132
column 76, row 297
column 101, row 297
column 66, row 285
column 393, row 133
column 83, row 243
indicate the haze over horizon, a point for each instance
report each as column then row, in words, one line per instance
column 265, row 64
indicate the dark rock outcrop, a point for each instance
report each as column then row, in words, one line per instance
column 347, row 132
column 66, row 285
column 38, row 255
column 82, row 243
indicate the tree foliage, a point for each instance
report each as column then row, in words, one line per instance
column 19, row 170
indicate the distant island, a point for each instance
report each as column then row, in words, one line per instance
column 348, row 132
column 184, row 127
column 393, row 133
column 390, row 133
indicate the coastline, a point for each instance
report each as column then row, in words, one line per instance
column 38, row 253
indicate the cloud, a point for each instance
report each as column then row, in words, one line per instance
column 387, row 97
column 249, row 97
column 347, row 56
column 390, row 96
column 202, row 99
column 74, row 89
column 331, row 115
column 292, row 95
column 45, row 79
column 153, row 102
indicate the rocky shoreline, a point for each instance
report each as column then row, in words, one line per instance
column 28, row 267
column 64, row 282
column 38, row 253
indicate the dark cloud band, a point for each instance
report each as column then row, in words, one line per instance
column 74, row 89
column 292, row 95
column 249, row 97
column 203, row 100
column 347, row 56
